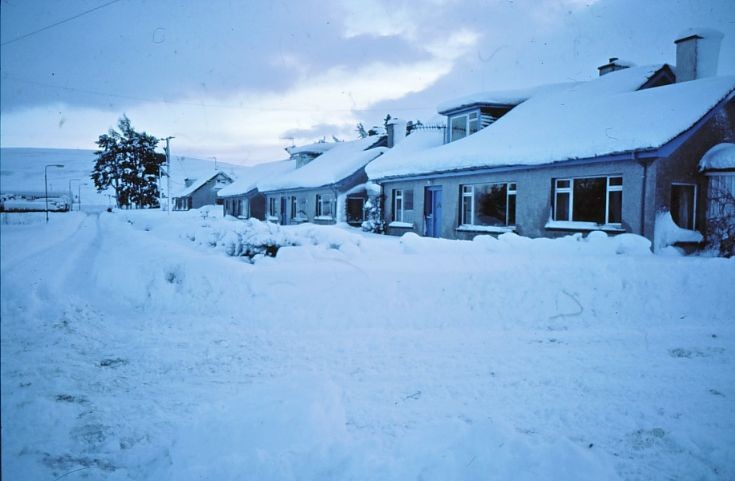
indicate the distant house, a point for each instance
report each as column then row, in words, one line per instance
column 201, row 192
column 242, row 199
column 328, row 189
column 605, row 154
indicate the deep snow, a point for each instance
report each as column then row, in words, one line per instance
column 134, row 347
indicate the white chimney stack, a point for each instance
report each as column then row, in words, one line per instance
column 396, row 131
column 697, row 53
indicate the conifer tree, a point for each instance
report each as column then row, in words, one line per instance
column 127, row 162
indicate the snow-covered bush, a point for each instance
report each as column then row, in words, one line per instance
column 373, row 217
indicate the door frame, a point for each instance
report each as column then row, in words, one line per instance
column 432, row 214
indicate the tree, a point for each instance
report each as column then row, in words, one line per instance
column 361, row 130
column 127, row 162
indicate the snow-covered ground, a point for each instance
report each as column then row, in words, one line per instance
column 134, row 347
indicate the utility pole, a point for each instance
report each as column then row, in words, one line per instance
column 45, row 182
column 168, row 175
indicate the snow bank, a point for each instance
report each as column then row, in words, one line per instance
column 596, row 243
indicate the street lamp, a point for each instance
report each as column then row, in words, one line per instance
column 45, row 182
column 215, row 162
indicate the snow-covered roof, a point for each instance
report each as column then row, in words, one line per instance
column 249, row 179
column 576, row 121
column 719, row 157
column 418, row 140
column 187, row 191
column 495, row 97
column 315, row 148
column 339, row 163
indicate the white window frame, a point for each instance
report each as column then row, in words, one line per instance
column 294, row 207
column 694, row 206
column 467, row 121
column 570, row 190
column 272, row 207
column 319, row 208
column 399, row 197
column 468, row 193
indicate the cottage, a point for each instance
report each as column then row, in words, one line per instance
column 605, row 154
column 242, row 199
column 201, row 192
column 327, row 188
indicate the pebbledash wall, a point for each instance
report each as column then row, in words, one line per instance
column 647, row 184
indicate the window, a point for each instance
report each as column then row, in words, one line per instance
column 244, row 208
column 463, row 125
column 683, row 204
column 589, row 199
column 403, row 205
column 272, row 207
column 488, row 205
column 294, row 207
column 324, row 206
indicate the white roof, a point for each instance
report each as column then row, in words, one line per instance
column 339, row 163
column 500, row 97
column 416, row 141
column 719, row 157
column 315, row 148
column 250, row 178
column 576, row 121
column 187, row 191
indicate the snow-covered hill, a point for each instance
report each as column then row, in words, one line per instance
column 22, row 169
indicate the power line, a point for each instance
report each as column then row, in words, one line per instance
column 201, row 104
column 56, row 24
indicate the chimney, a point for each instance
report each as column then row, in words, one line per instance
column 396, row 129
column 613, row 64
column 697, row 53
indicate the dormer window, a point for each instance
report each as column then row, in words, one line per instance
column 463, row 125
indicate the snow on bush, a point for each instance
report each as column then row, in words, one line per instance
column 252, row 237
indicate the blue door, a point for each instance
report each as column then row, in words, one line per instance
column 433, row 211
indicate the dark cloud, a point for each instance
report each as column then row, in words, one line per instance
column 137, row 51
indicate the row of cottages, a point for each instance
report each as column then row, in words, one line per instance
column 332, row 187
column 202, row 191
column 605, row 154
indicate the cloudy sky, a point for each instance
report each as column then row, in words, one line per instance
column 239, row 79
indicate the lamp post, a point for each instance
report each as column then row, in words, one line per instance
column 215, row 162
column 45, row 182
column 168, row 174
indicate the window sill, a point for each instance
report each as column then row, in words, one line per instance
column 272, row 218
column 401, row 225
column 485, row 228
column 324, row 217
column 579, row 226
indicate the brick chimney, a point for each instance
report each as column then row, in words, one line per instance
column 697, row 53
